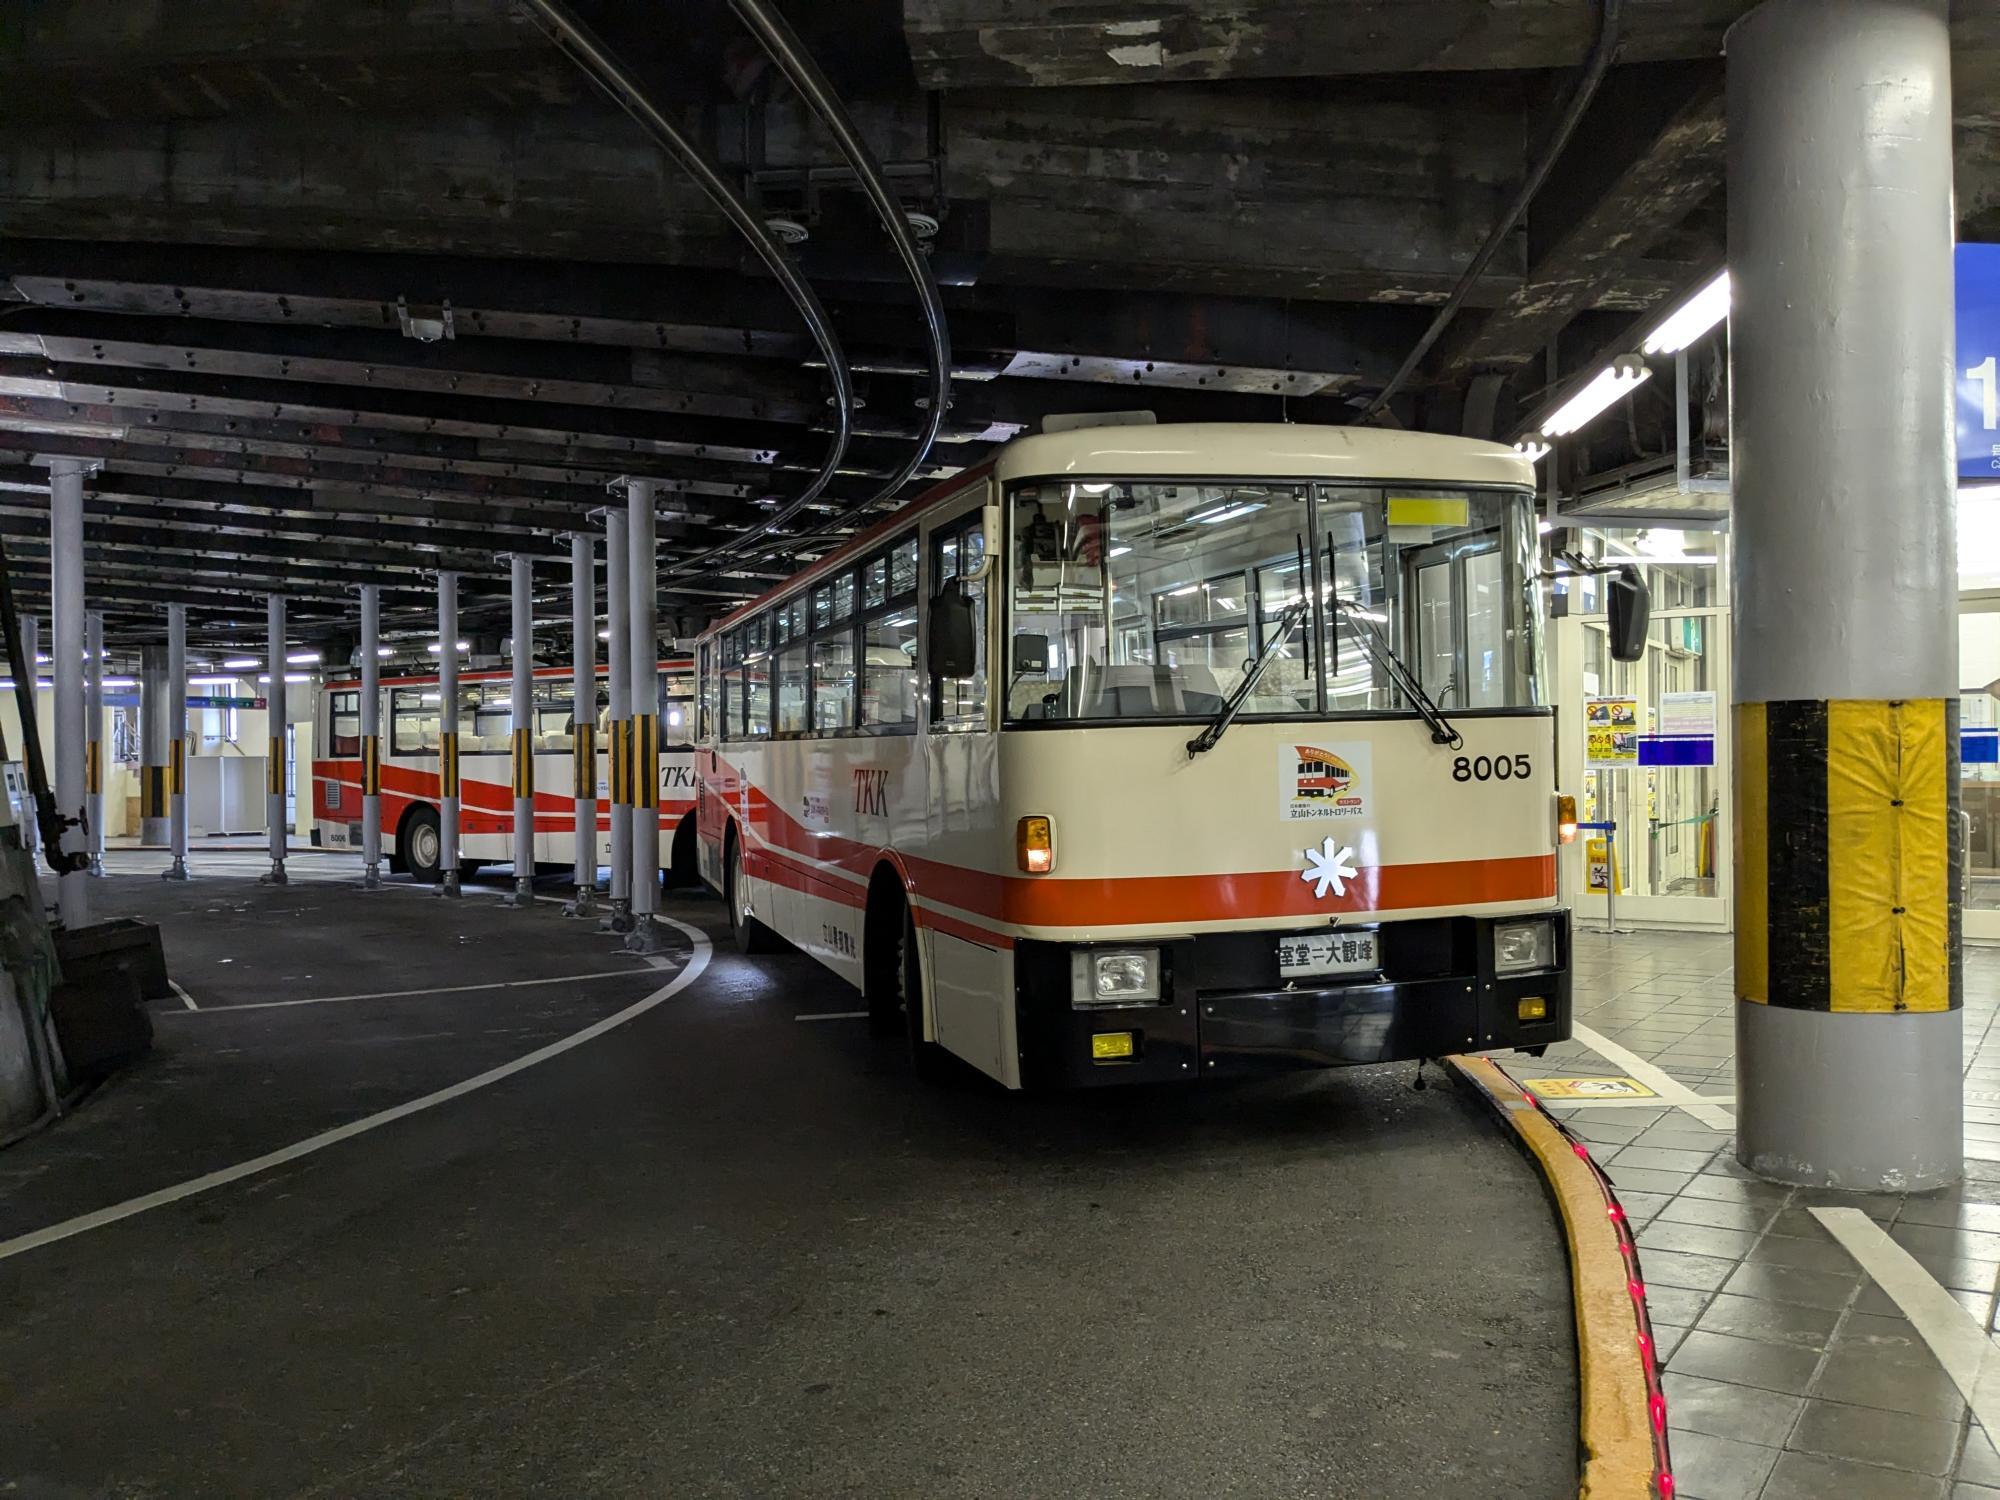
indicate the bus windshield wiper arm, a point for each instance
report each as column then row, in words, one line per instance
column 1405, row 680
column 1226, row 715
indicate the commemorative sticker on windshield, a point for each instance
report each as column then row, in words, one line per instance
column 1322, row 781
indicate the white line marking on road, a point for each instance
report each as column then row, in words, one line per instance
column 1671, row 1090
column 835, row 1015
column 1968, row 1355
column 35, row 1239
column 443, row 989
column 186, row 998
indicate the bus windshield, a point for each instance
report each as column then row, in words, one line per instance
column 1151, row 600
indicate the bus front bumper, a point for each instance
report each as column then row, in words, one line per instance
column 1225, row 1011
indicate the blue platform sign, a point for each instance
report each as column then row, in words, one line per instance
column 1979, row 362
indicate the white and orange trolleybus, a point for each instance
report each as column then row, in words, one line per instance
column 1154, row 752
column 410, row 719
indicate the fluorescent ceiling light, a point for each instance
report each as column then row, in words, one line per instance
column 385, row 650
column 436, row 650
column 302, row 658
column 604, row 635
column 289, row 677
column 121, row 682
column 1545, row 527
column 212, row 681
column 1533, row 449
column 1230, row 513
column 1692, row 318
column 1095, row 489
column 241, row 661
column 1615, row 381
column 1120, row 551
column 1193, row 588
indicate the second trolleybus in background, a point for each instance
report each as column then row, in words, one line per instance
column 1156, row 752
column 410, row 718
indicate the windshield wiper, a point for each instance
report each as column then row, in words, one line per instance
column 1373, row 642
column 1287, row 623
column 1226, row 715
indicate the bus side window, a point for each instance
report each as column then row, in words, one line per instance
column 960, row 702
column 413, row 721
column 344, row 741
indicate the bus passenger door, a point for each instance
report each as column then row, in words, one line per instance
column 970, row 984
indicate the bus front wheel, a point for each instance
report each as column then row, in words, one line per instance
column 751, row 935
column 420, row 846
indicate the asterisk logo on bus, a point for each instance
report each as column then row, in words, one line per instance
column 1328, row 866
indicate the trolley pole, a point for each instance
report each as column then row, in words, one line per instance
column 583, row 716
column 371, row 736
column 643, row 650
column 448, row 735
column 274, row 769
column 617, row 611
column 522, row 650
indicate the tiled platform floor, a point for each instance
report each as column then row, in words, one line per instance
column 1790, row 1376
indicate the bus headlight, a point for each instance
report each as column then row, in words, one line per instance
column 1106, row 978
column 1523, row 947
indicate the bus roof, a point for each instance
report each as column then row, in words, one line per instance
column 1264, row 450
column 1200, row 450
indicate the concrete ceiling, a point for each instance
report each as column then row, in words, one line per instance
column 211, row 215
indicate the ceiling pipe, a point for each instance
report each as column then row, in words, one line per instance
column 775, row 34
column 596, row 60
column 1599, row 63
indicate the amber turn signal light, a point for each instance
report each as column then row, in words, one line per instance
column 1035, row 845
column 1532, row 1008
column 1565, row 820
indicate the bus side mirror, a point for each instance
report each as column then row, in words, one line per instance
column 1631, row 608
column 953, row 640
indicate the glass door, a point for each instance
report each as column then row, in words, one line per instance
column 1662, row 751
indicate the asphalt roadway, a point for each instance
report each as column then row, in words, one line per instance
column 714, row 1249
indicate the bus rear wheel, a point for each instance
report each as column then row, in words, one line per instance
column 420, row 846
column 752, row 936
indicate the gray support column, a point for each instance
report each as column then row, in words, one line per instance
column 93, row 708
column 177, row 718
column 1845, row 590
column 448, row 734
column 371, row 736
column 274, row 768
column 522, row 722
column 31, row 647
column 618, row 623
column 583, row 716
column 69, row 741
column 643, row 650
column 155, row 712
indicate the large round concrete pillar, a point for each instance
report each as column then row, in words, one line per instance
column 448, row 741
column 68, row 631
column 276, row 768
column 583, row 716
column 644, row 654
column 155, row 712
column 1847, row 848
column 618, row 626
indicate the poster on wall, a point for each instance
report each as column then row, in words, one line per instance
column 1611, row 732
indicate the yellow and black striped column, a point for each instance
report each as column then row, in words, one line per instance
column 274, row 769
column 155, row 713
column 448, row 726
column 176, row 731
column 521, row 652
column 1845, row 595
column 371, row 736
column 1847, row 840
column 583, row 721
